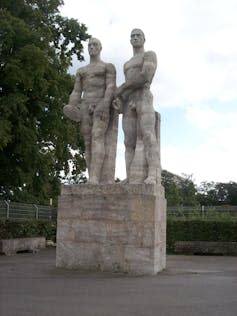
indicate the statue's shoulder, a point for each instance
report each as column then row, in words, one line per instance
column 82, row 70
column 150, row 56
column 110, row 68
column 128, row 64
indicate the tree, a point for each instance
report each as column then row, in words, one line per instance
column 36, row 142
column 170, row 183
column 179, row 191
column 211, row 193
column 188, row 191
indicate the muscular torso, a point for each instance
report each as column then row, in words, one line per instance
column 139, row 72
column 93, row 80
column 133, row 67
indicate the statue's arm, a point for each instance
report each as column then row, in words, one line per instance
column 110, row 83
column 102, row 109
column 72, row 109
column 145, row 76
column 75, row 96
column 149, row 66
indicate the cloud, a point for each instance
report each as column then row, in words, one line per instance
column 202, row 118
column 195, row 42
column 208, row 119
column 188, row 37
column 214, row 158
column 211, row 161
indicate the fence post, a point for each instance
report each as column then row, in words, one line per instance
column 37, row 211
column 203, row 210
column 8, row 209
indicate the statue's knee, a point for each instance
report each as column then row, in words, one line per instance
column 130, row 143
column 97, row 134
column 148, row 138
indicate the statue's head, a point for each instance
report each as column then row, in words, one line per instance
column 94, row 46
column 137, row 38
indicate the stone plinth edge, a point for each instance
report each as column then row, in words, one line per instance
column 117, row 188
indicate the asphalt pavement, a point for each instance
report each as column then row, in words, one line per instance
column 31, row 285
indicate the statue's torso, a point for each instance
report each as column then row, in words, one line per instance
column 134, row 66
column 140, row 96
column 93, row 80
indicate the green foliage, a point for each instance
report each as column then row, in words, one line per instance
column 187, row 229
column 179, row 190
column 36, row 49
column 13, row 228
column 211, row 193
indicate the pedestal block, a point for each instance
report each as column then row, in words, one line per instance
column 118, row 227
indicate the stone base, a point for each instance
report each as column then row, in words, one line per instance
column 206, row 247
column 14, row 245
column 118, row 227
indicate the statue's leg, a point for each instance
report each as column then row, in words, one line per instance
column 97, row 148
column 129, row 123
column 86, row 129
column 147, row 125
column 108, row 168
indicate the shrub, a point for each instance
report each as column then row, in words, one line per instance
column 15, row 228
column 186, row 229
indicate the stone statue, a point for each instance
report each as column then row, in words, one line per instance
column 140, row 121
column 118, row 228
column 90, row 105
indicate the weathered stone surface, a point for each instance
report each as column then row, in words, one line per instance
column 12, row 246
column 139, row 166
column 90, row 103
column 141, row 124
column 119, row 227
column 108, row 167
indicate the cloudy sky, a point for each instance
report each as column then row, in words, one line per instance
column 195, row 87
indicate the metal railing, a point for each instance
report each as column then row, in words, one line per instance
column 204, row 211
column 26, row 211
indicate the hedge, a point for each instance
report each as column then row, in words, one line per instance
column 178, row 229
column 200, row 230
column 15, row 228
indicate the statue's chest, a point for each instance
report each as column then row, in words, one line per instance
column 93, row 72
column 134, row 64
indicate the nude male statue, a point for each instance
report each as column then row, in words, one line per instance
column 89, row 104
column 136, row 100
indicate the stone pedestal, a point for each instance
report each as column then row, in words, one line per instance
column 118, row 227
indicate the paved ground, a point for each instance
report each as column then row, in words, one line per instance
column 191, row 285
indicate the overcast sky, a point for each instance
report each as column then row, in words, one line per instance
column 195, row 87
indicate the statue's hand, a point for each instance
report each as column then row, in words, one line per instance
column 117, row 104
column 102, row 111
column 92, row 108
column 72, row 112
column 119, row 91
column 132, row 105
column 123, row 93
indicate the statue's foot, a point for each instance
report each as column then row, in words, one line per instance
column 125, row 181
column 150, row 180
column 93, row 181
column 110, row 182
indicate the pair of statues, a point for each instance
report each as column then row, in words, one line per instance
column 96, row 101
